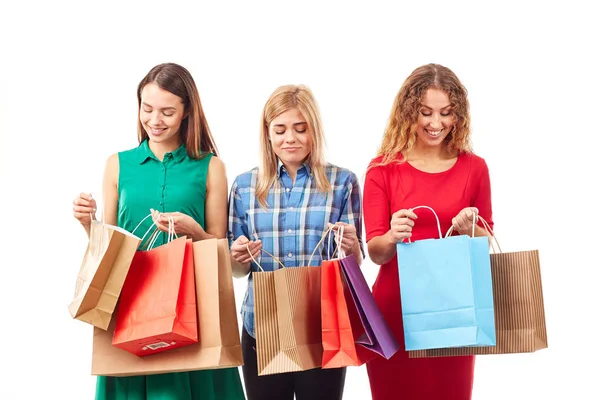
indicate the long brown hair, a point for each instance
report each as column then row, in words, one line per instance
column 400, row 133
column 194, row 130
column 285, row 98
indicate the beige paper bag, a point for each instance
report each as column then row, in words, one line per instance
column 518, row 308
column 102, row 273
column 219, row 336
column 287, row 306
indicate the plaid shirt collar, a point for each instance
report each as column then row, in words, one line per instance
column 281, row 168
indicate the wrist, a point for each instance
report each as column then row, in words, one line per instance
column 389, row 238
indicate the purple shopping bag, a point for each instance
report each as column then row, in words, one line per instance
column 378, row 336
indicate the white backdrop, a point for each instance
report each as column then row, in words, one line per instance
column 68, row 75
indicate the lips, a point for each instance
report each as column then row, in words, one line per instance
column 434, row 134
column 156, row 131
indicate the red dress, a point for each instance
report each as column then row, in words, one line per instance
column 399, row 186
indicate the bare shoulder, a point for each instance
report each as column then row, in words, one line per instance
column 216, row 166
column 216, row 173
column 111, row 171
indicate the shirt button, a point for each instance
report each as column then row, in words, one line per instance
column 289, row 231
column 290, row 255
column 287, row 189
column 160, row 203
column 291, row 208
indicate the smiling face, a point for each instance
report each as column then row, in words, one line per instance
column 161, row 113
column 291, row 138
column 435, row 120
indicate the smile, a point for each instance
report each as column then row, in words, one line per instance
column 434, row 133
column 157, row 131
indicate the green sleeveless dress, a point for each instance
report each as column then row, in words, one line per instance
column 178, row 183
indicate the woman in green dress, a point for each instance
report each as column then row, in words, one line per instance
column 175, row 174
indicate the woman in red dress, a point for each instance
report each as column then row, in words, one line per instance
column 425, row 159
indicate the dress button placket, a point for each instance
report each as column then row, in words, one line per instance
column 162, row 187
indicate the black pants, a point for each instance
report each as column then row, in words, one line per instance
column 314, row 384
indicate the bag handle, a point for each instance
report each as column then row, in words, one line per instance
column 475, row 218
column 327, row 231
column 151, row 241
column 338, row 243
column 436, row 218
column 263, row 250
column 487, row 228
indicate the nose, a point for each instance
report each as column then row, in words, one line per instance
column 290, row 136
column 155, row 119
column 435, row 121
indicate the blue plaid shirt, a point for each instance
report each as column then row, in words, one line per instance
column 294, row 220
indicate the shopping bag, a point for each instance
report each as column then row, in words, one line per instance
column 218, row 343
column 287, row 315
column 518, row 305
column 157, row 310
column 339, row 349
column 377, row 336
column 353, row 328
column 446, row 292
column 102, row 273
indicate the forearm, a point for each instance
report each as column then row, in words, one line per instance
column 357, row 253
column 382, row 248
column 200, row 234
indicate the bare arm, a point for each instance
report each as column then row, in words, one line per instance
column 382, row 248
column 110, row 193
column 215, row 211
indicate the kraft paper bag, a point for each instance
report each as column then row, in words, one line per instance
column 218, row 343
column 287, row 316
column 102, row 273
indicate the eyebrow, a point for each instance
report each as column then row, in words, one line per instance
column 423, row 105
column 294, row 124
column 165, row 108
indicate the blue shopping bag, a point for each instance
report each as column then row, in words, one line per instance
column 446, row 292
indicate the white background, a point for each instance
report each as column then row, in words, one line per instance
column 68, row 76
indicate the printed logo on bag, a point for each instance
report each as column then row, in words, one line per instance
column 158, row 345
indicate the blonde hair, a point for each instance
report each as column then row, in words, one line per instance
column 283, row 99
column 401, row 132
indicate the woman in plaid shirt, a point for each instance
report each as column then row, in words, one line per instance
column 284, row 206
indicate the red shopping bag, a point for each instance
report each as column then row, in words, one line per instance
column 157, row 309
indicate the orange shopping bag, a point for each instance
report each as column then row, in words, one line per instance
column 157, row 309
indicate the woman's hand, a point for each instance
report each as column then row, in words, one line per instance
column 348, row 239
column 84, row 209
column 401, row 226
column 239, row 250
column 183, row 224
column 464, row 220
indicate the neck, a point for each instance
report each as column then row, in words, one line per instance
column 429, row 152
column 161, row 148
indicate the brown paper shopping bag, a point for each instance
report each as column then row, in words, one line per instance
column 518, row 307
column 102, row 273
column 287, row 313
column 218, row 340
